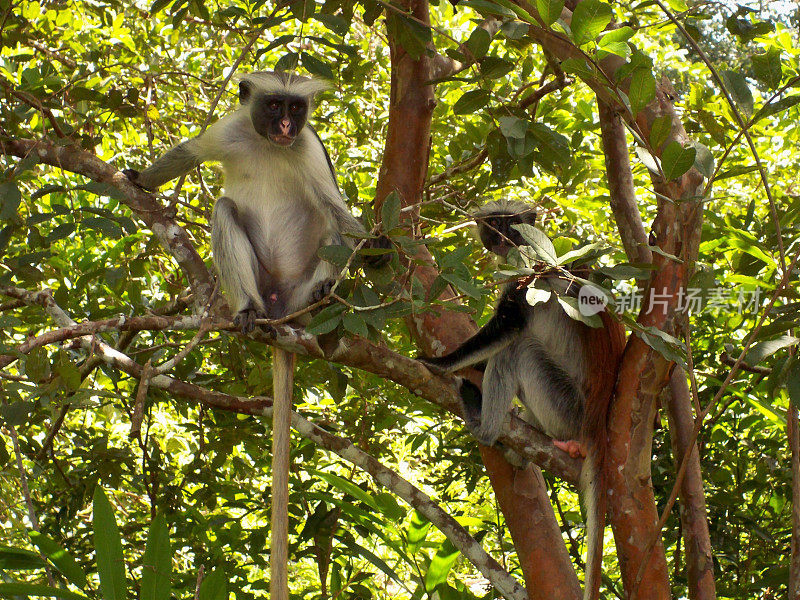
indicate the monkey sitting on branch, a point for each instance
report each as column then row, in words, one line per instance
column 281, row 205
column 561, row 369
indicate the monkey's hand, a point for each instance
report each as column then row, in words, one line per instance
column 321, row 290
column 133, row 177
column 378, row 260
column 572, row 447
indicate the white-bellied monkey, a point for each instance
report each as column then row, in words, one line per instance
column 281, row 204
column 562, row 370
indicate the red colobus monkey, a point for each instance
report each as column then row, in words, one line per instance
column 281, row 204
column 562, row 370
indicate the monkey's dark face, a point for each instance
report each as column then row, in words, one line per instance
column 280, row 118
column 498, row 236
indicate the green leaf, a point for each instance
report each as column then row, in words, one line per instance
column 579, row 67
column 762, row 350
column 589, row 19
column 15, row 590
column 336, row 255
column 19, row 559
column 108, row 548
column 418, row 527
column 471, row 102
column 487, row 8
column 642, row 90
column 513, row 127
column 493, row 67
column 348, row 487
column 390, row 211
column 315, row 66
column 440, row 566
column 539, row 243
column 372, row 558
column 326, row 320
column 37, row 365
column 355, row 324
column 214, row 586
column 157, row 563
column 10, row 198
column 767, row 68
column 660, row 130
column 549, row 10
column 63, row 561
column 737, row 87
column 677, row 160
column 579, row 253
column 704, row 160
column 478, row 43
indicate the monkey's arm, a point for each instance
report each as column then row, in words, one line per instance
column 501, row 330
column 176, row 162
column 185, row 156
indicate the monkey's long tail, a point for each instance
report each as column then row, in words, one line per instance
column 592, row 484
column 282, row 382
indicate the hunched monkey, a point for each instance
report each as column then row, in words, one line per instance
column 281, row 204
column 562, row 370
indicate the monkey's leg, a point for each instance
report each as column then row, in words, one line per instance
column 282, row 382
column 179, row 160
column 236, row 263
column 500, row 383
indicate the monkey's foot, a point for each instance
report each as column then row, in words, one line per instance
column 133, row 177
column 246, row 320
column 322, row 289
column 572, row 447
column 378, row 260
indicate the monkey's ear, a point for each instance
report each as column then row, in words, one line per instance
column 245, row 88
column 530, row 217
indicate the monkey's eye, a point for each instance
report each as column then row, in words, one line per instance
column 274, row 105
column 296, row 107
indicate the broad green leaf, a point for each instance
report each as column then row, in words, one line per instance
column 390, row 211
column 488, row 8
column 355, row 324
column 478, row 43
column 578, row 253
column 642, row 90
column 513, row 127
column 660, row 130
column 762, row 350
column 549, row 10
column 589, row 19
column 471, row 102
column 440, row 566
column 10, row 197
column 157, row 563
column 108, row 548
column 336, row 255
column 493, row 67
column 767, row 68
column 677, row 160
column 571, row 307
column 418, row 527
column 539, row 242
column 326, row 320
column 704, row 160
column 737, row 87
column 63, row 561
column 372, row 558
column 214, row 586
column 37, row 364
column 579, row 67
column 34, row 590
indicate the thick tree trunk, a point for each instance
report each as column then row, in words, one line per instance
column 545, row 563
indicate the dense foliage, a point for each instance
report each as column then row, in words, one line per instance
column 189, row 485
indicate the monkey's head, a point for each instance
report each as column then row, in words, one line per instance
column 495, row 219
column 279, row 103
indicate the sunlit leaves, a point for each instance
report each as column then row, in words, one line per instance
column 549, row 10
column 676, row 160
column 589, row 19
column 737, row 87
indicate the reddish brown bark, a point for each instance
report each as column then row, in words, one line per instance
column 404, row 167
column 694, row 519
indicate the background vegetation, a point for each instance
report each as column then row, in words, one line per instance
column 88, row 438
